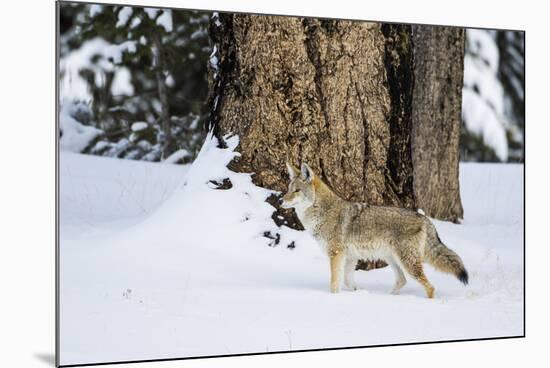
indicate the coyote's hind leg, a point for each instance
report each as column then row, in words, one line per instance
column 414, row 267
column 400, row 279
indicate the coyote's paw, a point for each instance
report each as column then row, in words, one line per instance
column 350, row 285
column 334, row 289
column 398, row 286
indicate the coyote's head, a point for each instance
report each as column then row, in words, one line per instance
column 301, row 190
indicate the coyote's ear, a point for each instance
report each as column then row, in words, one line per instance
column 307, row 173
column 292, row 171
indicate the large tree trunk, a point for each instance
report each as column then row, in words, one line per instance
column 439, row 66
column 335, row 94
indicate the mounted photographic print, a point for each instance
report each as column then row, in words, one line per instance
column 234, row 183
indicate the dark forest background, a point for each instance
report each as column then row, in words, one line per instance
column 134, row 84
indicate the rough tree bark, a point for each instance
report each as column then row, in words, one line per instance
column 335, row 94
column 439, row 69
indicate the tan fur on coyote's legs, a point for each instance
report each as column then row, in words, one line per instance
column 336, row 271
column 415, row 269
column 349, row 273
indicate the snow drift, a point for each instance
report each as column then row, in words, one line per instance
column 156, row 262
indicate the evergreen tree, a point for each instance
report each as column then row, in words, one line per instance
column 493, row 96
column 146, row 77
column 511, row 45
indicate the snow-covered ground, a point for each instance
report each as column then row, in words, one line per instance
column 155, row 263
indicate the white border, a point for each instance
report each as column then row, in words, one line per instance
column 27, row 181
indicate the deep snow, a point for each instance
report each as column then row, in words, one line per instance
column 155, row 263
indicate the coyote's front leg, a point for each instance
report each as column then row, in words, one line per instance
column 337, row 261
column 349, row 271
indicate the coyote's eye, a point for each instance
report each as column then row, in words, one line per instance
column 296, row 191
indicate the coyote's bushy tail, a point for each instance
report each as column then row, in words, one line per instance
column 444, row 259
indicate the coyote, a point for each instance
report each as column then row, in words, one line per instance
column 349, row 231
